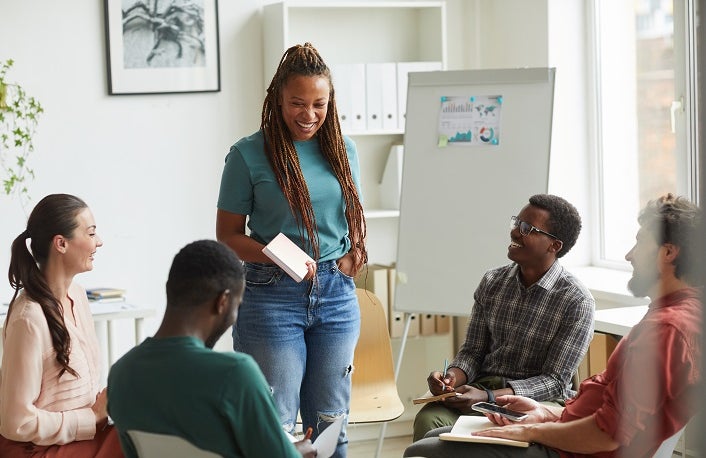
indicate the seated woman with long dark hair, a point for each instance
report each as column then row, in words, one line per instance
column 51, row 402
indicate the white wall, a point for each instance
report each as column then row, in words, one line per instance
column 149, row 166
column 569, row 169
column 548, row 33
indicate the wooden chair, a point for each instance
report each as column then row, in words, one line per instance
column 374, row 396
column 151, row 445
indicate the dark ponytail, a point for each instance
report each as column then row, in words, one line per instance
column 53, row 215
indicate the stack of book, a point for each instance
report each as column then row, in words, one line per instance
column 106, row 294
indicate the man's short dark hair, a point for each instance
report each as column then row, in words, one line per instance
column 201, row 271
column 677, row 221
column 564, row 219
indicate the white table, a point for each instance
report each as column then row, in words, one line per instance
column 105, row 314
column 618, row 321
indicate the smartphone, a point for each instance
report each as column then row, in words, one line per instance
column 487, row 407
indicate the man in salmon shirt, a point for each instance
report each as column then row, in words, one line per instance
column 650, row 387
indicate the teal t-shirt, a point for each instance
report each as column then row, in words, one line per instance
column 249, row 187
column 217, row 401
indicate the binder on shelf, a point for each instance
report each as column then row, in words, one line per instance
column 349, row 81
column 357, row 72
column 373, row 96
column 396, row 324
column 388, row 83
column 427, row 325
column 443, row 324
column 374, row 278
column 414, row 325
column 344, row 105
column 391, row 182
column 396, row 319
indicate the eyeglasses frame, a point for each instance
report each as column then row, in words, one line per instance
column 517, row 223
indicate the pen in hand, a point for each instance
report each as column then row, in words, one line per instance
column 443, row 374
column 309, row 432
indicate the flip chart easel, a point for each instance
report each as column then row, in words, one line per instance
column 457, row 199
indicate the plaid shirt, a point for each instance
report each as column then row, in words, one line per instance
column 534, row 337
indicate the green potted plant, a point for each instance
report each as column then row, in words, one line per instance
column 19, row 113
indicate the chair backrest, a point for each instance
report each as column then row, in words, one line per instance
column 374, row 395
column 152, row 445
column 667, row 448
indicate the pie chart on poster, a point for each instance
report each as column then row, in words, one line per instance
column 486, row 134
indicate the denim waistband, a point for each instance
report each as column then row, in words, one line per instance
column 319, row 265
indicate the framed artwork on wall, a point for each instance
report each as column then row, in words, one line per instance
column 162, row 46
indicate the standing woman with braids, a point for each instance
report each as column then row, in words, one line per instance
column 298, row 175
column 51, row 404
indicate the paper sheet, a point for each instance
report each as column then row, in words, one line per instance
column 326, row 442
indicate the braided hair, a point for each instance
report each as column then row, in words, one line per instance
column 304, row 60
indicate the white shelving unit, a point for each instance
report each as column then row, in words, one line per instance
column 355, row 33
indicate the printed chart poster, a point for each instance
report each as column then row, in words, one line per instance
column 470, row 121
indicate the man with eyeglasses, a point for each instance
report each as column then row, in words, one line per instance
column 652, row 382
column 530, row 325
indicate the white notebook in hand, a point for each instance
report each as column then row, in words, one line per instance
column 288, row 256
column 468, row 424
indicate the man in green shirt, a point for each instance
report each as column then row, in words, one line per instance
column 174, row 383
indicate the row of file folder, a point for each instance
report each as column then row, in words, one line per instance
column 373, row 96
column 380, row 280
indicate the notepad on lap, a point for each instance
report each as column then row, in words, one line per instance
column 467, row 424
column 428, row 397
column 288, row 256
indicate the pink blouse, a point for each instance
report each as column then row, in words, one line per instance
column 35, row 405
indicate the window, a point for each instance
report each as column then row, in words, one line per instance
column 645, row 127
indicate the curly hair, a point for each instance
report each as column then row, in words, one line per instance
column 202, row 270
column 678, row 221
column 304, row 60
column 564, row 220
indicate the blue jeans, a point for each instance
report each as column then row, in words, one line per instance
column 303, row 336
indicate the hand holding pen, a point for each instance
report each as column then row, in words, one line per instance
column 305, row 446
column 448, row 379
column 443, row 374
column 441, row 382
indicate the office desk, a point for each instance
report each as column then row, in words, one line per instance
column 618, row 321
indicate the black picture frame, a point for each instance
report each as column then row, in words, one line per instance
column 162, row 46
